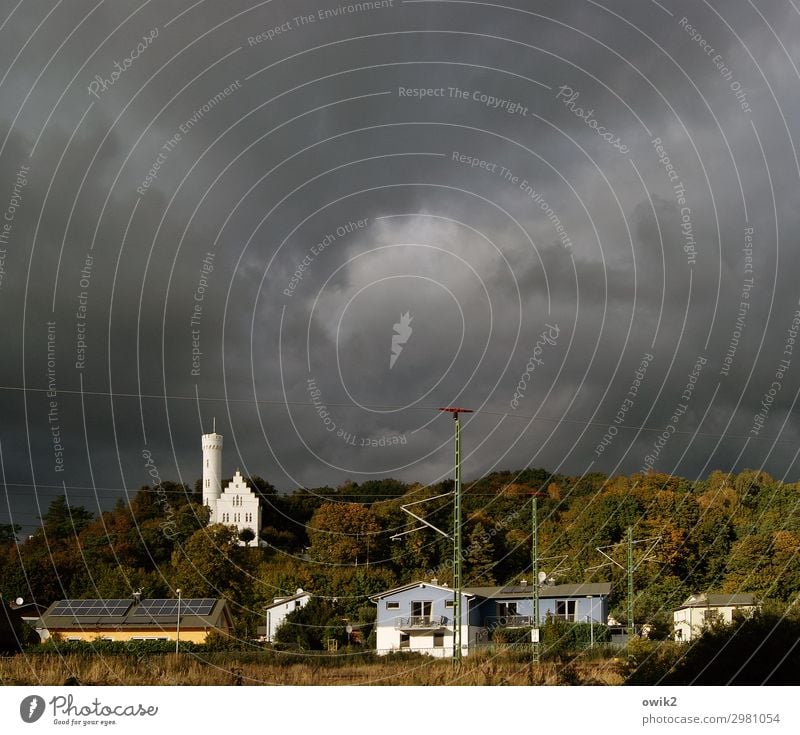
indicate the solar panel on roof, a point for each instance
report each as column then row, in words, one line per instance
column 91, row 608
column 162, row 607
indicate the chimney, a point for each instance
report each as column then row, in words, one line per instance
column 434, row 580
column 524, row 582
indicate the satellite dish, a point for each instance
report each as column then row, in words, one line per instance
column 542, row 577
column 19, row 601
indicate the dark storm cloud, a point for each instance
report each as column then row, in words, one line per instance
column 260, row 178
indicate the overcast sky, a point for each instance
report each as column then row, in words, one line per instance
column 588, row 214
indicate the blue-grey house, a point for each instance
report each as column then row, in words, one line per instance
column 419, row 616
column 512, row 606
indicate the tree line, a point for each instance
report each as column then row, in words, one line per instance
column 725, row 533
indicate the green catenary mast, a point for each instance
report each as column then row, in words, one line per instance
column 457, row 555
column 535, row 580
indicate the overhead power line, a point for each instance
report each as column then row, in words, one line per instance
column 395, row 407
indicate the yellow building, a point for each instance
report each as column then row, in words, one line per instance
column 134, row 619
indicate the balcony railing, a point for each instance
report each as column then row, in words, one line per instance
column 421, row 622
column 508, row 621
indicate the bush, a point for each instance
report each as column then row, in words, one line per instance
column 108, row 648
column 760, row 650
column 308, row 628
column 650, row 662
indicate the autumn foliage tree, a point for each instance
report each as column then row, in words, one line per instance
column 344, row 533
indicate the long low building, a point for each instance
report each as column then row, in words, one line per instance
column 131, row 619
column 419, row 616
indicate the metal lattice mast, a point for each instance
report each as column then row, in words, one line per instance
column 631, row 629
column 457, row 546
column 535, row 581
column 457, row 551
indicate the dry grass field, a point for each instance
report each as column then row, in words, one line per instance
column 192, row 670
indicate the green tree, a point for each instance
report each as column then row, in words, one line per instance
column 480, row 555
column 309, row 627
column 8, row 533
column 246, row 535
column 211, row 564
column 62, row 520
column 344, row 533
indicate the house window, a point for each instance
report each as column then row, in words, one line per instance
column 565, row 609
column 206, row 463
column 208, row 483
column 438, row 640
column 392, row 605
column 296, row 604
column 421, row 609
column 405, row 640
column 506, row 609
column 450, row 603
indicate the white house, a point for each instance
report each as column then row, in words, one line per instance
column 419, row 617
column 276, row 612
column 700, row 611
column 237, row 505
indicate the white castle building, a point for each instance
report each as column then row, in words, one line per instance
column 237, row 505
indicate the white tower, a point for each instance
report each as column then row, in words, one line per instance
column 212, row 471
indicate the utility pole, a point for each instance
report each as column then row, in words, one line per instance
column 178, row 624
column 631, row 629
column 535, row 582
column 457, row 612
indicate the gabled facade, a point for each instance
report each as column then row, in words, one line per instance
column 275, row 614
column 239, row 506
column 702, row 610
column 419, row 616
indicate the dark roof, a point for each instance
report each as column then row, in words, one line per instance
column 738, row 599
column 135, row 616
column 29, row 609
column 284, row 600
column 584, row 589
